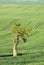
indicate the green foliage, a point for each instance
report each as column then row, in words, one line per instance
column 18, row 28
column 23, row 31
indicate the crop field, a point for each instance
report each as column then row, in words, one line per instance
column 31, row 52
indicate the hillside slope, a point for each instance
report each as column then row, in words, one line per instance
column 33, row 50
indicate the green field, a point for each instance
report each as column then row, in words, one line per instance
column 31, row 52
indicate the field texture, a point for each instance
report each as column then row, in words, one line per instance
column 31, row 52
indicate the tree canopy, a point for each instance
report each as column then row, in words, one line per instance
column 19, row 29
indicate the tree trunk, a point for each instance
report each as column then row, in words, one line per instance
column 14, row 49
column 15, row 46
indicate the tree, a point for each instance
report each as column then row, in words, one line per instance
column 21, row 32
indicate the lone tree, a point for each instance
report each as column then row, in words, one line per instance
column 21, row 32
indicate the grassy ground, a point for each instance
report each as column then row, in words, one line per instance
column 31, row 52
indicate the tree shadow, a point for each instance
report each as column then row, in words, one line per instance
column 7, row 55
column 19, row 54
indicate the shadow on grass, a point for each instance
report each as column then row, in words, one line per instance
column 36, row 54
column 8, row 55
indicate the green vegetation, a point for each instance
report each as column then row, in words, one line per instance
column 31, row 52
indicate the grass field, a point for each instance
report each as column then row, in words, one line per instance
column 31, row 52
